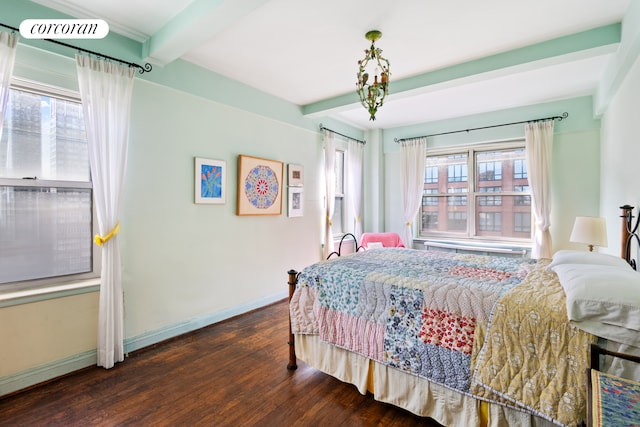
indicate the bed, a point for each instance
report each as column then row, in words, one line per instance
column 461, row 338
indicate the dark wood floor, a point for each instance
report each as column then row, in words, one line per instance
column 229, row 374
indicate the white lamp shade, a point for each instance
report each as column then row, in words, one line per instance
column 589, row 230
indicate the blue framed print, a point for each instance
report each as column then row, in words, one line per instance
column 210, row 181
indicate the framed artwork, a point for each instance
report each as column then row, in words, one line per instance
column 296, row 201
column 210, row 181
column 259, row 186
column 296, row 175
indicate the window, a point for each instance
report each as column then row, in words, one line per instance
column 457, row 220
column 457, row 173
column 490, row 171
column 429, row 220
column 490, row 221
column 493, row 202
column 519, row 169
column 430, row 201
column 522, row 200
column 46, row 199
column 339, row 209
column 522, row 222
column 457, row 200
column 490, row 200
column 431, row 175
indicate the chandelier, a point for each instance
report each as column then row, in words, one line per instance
column 373, row 90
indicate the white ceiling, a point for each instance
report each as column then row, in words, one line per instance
column 307, row 52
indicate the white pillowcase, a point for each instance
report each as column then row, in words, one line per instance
column 603, row 300
column 373, row 245
column 582, row 257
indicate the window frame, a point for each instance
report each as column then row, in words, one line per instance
column 72, row 281
column 474, row 194
column 337, row 234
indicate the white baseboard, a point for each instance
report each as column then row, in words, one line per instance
column 33, row 376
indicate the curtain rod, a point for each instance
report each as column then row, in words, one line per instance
column 560, row 118
column 142, row 69
column 344, row 136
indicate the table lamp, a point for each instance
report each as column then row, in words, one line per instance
column 589, row 230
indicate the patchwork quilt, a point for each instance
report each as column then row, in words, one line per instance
column 423, row 312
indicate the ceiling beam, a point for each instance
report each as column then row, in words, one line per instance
column 625, row 58
column 197, row 23
column 598, row 41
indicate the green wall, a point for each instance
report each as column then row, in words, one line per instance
column 184, row 260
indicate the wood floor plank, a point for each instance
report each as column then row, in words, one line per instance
column 229, row 374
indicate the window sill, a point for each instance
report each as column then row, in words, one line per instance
column 26, row 296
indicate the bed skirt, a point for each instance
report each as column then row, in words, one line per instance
column 415, row 394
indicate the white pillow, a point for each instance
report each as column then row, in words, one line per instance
column 582, row 257
column 373, row 245
column 603, row 300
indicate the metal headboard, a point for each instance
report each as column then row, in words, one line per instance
column 629, row 232
column 339, row 251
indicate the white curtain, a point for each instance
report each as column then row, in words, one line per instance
column 414, row 157
column 539, row 145
column 330, row 189
column 106, row 90
column 355, row 155
column 8, row 43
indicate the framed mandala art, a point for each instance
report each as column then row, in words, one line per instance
column 210, row 183
column 259, row 186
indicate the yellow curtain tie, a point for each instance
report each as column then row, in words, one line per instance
column 99, row 240
column 329, row 220
column 409, row 224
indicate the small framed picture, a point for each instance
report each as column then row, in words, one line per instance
column 296, row 175
column 210, row 181
column 260, row 189
column 296, row 201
